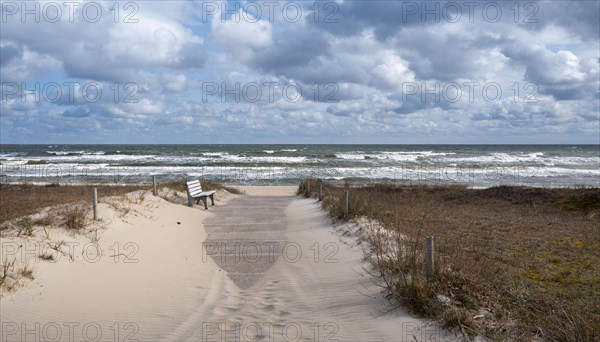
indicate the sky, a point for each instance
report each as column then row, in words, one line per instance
column 362, row 72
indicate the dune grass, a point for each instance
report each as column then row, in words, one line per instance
column 512, row 263
column 19, row 200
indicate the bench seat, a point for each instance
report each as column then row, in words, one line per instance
column 195, row 193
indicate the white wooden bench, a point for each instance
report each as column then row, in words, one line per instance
column 195, row 193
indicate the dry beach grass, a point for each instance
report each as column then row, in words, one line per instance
column 20, row 200
column 512, row 263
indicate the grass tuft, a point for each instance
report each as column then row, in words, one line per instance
column 26, row 271
column 46, row 256
column 75, row 217
column 26, row 226
column 5, row 270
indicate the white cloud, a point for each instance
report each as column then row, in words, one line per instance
column 553, row 68
column 392, row 70
column 175, row 83
column 241, row 38
column 29, row 63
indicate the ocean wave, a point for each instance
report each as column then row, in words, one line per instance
column 538, row 158
column 409, row 156
column 489, row 165
column 65, row 153
column 75, row 153
column 12, row 161
column 351, row 156
column 215, row 154
column 10, row 154
column 484, row 176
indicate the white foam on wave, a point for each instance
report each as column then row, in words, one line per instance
column 63, row 153
column 537, row 158
column 409, row 156
column 14, row 161
column 74, row 153
column 265, row 159
column 350, row 156
column 97, row 159
column 100, row 158
column 9, row 155
column 215, row 154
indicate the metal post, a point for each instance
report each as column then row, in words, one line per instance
column 95, row 203
column 154, row 185
column 429, row 250
column 346, row 200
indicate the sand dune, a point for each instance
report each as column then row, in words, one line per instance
column 155, row 280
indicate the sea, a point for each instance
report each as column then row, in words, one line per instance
column 477, row 166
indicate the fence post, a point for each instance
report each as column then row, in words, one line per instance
column 154, row 185
column 95, row 203
column 308, row 186
column 320, row 189
column 346, row 200
column 429, row 253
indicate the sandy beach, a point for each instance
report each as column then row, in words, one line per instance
column 263, row 266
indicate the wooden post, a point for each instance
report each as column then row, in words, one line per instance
column 346, row 200
column 429, row 250
column 308, row 187
column 95, row 203
column 320, row 189
column 154, row 185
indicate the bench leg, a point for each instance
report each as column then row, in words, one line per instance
column 212, row 200
column 204, row 201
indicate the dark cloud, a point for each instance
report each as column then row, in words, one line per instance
column 295, row 49
column 570, row 92
column 9, row 52
column 388, row 18
column 581, row 18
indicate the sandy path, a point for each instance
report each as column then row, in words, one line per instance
column 296, row 280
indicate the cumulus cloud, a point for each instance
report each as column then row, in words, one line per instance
column 423, row 71
column 19, row 62
column 105, row 49
column 241, row 38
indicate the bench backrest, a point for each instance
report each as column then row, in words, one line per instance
column 194, row 188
